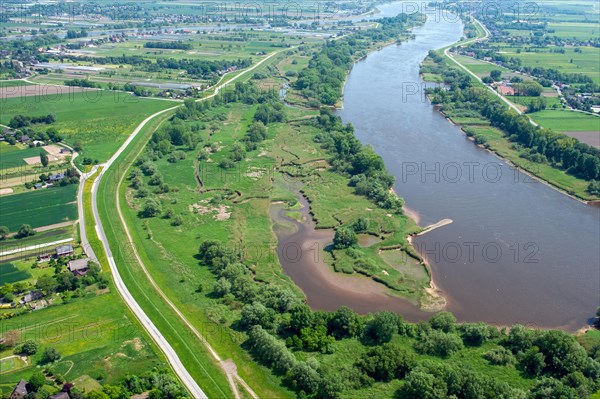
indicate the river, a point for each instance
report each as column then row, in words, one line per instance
column 517, row 250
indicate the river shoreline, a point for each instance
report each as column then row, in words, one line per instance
column 595, row 203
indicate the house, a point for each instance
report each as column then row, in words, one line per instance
column 60, row 395
column 38, row 185
column 56, row 177
column 20, row 391
column 506, row 90
column 64, row 250
column 44, row 257
column 30, row 297
column 79, row 267
column 24, row 138
column 65, row 151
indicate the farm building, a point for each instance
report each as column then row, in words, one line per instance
column 64, row 250
column 56, row 177
column 32, row 296
column 60, row 395
column 506, row 90
column 44, row 257
column 20, row 391
column 79, row 267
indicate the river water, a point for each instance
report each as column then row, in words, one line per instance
column 517, row 250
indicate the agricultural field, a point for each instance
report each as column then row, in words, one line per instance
column 14, row 83
column 564, row 121
column 583, row 61
column 98, row 120
column 45, row 207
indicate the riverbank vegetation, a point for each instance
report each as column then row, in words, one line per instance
column 232, row 281
column 561, row 160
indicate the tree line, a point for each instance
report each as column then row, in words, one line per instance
column 280, row 326
column 19, row 121
column 538, row 144
column 173, row 45
column 323, row 79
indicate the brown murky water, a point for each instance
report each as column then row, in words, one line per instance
column 517, row 251
column 300, row 251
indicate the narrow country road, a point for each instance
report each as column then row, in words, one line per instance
column 478, row 39
column 146, row 322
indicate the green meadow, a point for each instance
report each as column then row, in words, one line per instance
column 560, row 120
column 99, row 120
column 94, row 334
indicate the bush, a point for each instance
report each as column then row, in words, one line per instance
column 30, row 347
column 344, row 238
column 444, row 321
column 386, row 362
column 499, row 357
column 50, row 355
column 439, row 343
column 382, row 327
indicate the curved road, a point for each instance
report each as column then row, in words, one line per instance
column 160, row 340
column 478, row 39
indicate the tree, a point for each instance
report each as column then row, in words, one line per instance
column 4, row 231
column 344, row 237
column 475, row 334
column 46, row 284
column 495, row 74
column 151, row 208
column 361, row 225
column 549, row 388
column 532, row 361
column 386, row 362
column 30, row 347
column 444, row 321
column 99, row 395
column 259, row 314
column 50, row 355
column 36, row 381
column 305, row 377
column 344, row 323
column 382, row 327
column 439, row 343
column 25, row 231
column 44, row 158
column 301, row 316
column 421, row 385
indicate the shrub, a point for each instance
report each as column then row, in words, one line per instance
column 439, row 343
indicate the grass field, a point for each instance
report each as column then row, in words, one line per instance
column 584, row 62
column 569, row 30
column 190, row 350
column 11, row 156
column 10, row 274
column 44, row 207
column 94, row 334
column 100, row 120
column 14, row 83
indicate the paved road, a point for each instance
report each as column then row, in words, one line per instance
column 161, row 341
